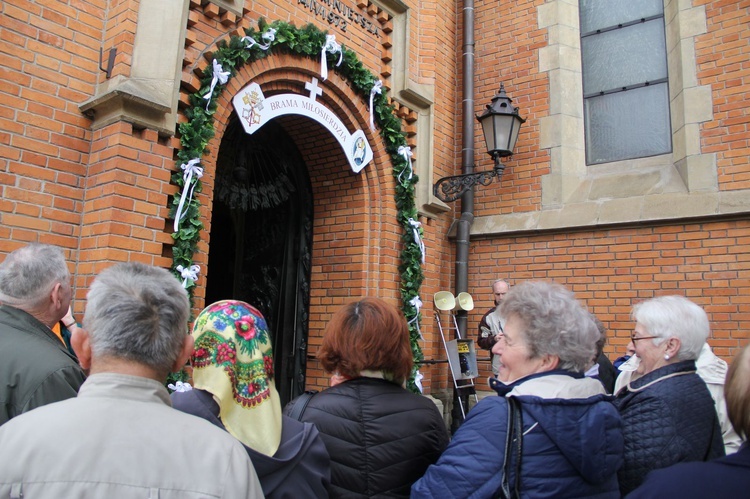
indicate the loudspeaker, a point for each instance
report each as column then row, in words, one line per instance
column 444, row 300
column 464, row 301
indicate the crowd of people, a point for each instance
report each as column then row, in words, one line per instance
column 84, row 411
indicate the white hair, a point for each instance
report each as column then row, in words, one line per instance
column 28, row 275
column 674, row 316
column 139, row 313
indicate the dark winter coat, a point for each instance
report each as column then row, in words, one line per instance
column 668, row 417
column 725, row 477
column 300, row 468
column 607, row 373
column 381, row 438
column 35, row 367
column 572, row 443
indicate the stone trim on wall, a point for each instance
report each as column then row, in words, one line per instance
column 418, row 97
column 673, row 186
column 147, row 97
column 233, row 6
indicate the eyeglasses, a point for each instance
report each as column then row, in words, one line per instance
column 635, row 338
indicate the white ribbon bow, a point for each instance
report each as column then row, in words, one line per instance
column 268, row 36
column 332, row 47
column 415, row 225
column 418, row 381
column 190, row 273
column 220, row 76
column 377, row 88
column 416, row 303
column 405, row 151
column 190, row 168
column 180, row 387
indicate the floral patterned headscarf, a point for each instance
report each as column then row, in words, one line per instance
column 233, row 361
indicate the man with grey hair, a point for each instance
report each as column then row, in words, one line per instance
column 128, row 440
column 492, row 323
column 35, row 366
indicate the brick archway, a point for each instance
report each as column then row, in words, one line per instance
column 356, row 233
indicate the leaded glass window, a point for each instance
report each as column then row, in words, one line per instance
column 625, row 85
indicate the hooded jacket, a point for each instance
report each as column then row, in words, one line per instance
column 381, row 438
column 572, row 443
column 300, row 468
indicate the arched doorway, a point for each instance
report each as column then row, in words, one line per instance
column 261, row 237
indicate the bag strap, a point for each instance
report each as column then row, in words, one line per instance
column 518, row 448
column 513, row 450
column 300, row 404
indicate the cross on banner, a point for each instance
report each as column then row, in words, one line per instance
column 314, row 89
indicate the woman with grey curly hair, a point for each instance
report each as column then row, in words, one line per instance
column 551, row 432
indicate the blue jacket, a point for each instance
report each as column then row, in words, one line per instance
column 726, row 477
column 669, row 417
column 572, row 444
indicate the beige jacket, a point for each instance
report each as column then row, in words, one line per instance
column 120, row 438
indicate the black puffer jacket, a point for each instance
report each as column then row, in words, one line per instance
column 381, row 438
column 668, row 417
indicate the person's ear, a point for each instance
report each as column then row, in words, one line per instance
column 185, row 353
column 673, row 345
column 55, row 296
column 81, row 343
column 550, row 362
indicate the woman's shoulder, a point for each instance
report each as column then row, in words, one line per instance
column 697, row 479
column 494, row 407
column 679, row 373
column 199, row 403
column 192, row 400
column 673, row 381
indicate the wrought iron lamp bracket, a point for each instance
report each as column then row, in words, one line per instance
column 449, row 189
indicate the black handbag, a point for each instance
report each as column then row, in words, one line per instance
column 513, row 451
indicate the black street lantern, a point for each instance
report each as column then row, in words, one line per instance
column 500, row 125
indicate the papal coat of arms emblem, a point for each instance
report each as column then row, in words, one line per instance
column 254, row 105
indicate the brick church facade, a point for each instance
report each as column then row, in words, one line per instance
column 94, row 93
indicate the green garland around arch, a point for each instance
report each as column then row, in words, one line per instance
column 198, row 130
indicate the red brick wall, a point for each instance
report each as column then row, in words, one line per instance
column 722, row 56
column 611, row 270
column 49, row 65
column 507, row 50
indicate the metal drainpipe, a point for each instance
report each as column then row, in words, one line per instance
column 463, row 229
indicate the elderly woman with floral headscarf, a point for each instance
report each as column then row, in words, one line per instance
column 234, row 390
